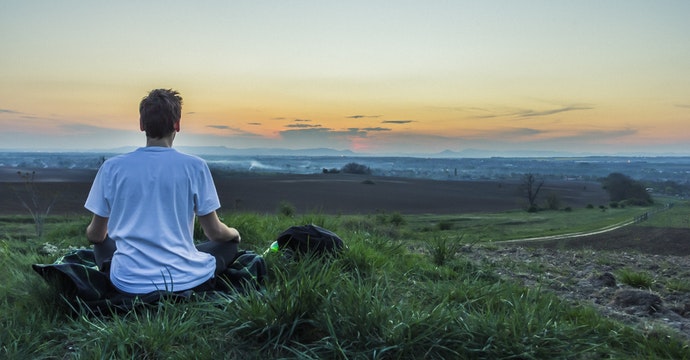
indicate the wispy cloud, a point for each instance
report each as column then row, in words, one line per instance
column 685, row 106
column 232, row 130
column 522, row 132
column 375, row 129
column 533, row 113
column 605, row 134
column 397, row 121
column 501, row 112
column 302, row 126
column 254, row 123
column 362, row 116
column 302, row 120
column 8, row 111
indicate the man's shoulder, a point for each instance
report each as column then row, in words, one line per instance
column 189, row 157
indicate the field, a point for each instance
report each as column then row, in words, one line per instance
column 428, row 274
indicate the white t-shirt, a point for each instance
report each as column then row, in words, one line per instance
column 151, row 196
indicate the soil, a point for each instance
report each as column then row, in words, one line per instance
column 588, row 270
column 318, row 193
column 585, row 269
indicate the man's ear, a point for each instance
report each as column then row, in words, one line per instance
column 176, row 126
column 141, row 125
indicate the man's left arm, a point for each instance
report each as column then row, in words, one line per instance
column 97, row 229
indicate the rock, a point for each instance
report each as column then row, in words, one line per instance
column 606, row 279
column 637, row 301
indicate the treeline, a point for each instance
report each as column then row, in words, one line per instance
column 622, row 188
column 350, row 168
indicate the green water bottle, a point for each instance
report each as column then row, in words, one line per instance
column 274, row 248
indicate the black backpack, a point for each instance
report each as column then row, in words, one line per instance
column 310, row 239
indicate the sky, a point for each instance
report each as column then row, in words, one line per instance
column 375, row 77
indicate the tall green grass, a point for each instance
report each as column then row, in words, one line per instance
column 395, row 293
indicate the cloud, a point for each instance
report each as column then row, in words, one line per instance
column 233, row 130
column 302, row 120
column 254, row 123
column 376, row 129
column 302, row 126
column 397, row 121
column 362, row 116
column 522, row 132
column 532, row 113
column 605, row 134
column 8, row 111
column 497, row 112
column 322, row 137
column 685, row 106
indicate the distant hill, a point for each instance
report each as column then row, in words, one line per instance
column 223, row 150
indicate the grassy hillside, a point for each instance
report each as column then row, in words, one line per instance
column 401, row 290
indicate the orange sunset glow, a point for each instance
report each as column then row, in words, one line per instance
column 397, row 77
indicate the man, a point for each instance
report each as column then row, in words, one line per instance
column 144, row 204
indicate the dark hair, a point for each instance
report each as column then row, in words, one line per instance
column 159, row 111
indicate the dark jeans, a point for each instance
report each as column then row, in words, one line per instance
column 224, row 252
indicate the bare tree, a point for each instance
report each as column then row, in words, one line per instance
column 31, row 198
column 531, row 187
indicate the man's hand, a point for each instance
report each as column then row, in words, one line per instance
column 217, row 231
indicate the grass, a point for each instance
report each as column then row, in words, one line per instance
column 676, row 217
column 510, row 225
column 638, row 279
column 398, row 292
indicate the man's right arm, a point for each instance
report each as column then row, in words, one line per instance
column 97, row 229
column 215, row 230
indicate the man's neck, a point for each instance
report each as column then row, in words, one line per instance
column 165, row 141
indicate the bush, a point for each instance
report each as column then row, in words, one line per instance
column 553, row 201
column 443, row 249
column 397, row 219
column 355, row 168
column 445, row 225
column 641, row 280
column 621, row 187
column 286, row 209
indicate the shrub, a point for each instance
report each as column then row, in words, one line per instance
column 553, row 201
column 678, row 285
column 621, row 187
column 355, row 168
column 286, row 209
column 445, row 225
column 636, row 279
column 442, row 249
column 397, row 219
